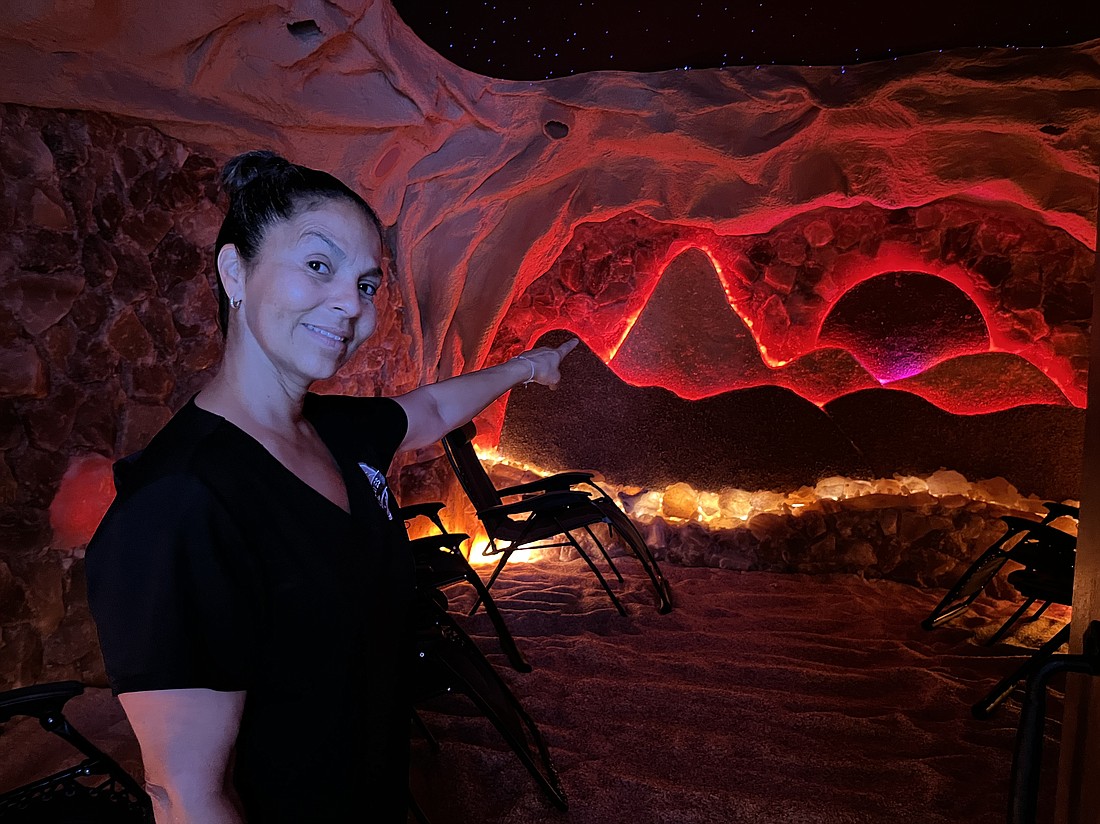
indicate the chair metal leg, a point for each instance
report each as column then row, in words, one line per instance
column 422, row 728
column 471, row 674
column 1007, row 625
column 504, row 636
column 970, row 585
column 1035, row 616
column 596, row 571
column 618, row 520
column 1004, row 687
column 603, row 551
column 418, row 813
column 504, row 556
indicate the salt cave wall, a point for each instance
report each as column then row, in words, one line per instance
column 515, row 208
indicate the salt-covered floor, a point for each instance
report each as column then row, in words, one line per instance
column 760, row 698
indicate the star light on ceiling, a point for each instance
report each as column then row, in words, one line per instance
column 536, row 41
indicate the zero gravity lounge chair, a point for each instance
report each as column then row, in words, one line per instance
column 1029, row 543
column 97, row 790
column 440, row 562
column 449, row 662
column 547, row 514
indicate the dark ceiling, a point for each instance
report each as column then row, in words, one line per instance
column 537, row 40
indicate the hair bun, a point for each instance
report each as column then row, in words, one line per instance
column 243, row 169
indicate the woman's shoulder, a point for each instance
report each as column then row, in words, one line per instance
column 193, row 446
column 316, row 404
column 380, row 413
column 370, row 427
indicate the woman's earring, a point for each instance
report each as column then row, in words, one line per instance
column 236, row 304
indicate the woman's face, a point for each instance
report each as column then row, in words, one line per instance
column 308, row 296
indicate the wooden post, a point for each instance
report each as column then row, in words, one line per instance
column 1078, row 796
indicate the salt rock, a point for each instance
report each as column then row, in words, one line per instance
column 767, row 501
column 948, row 482
column 735, row 503
column 954, row 501
column 645, row 505
column 832, row 487
column 859, row 555
column 767, row 526
column 140, row 422
column 818, row 233
column 1066, row 524
column 912, row 526
column 888, row 486
column 866, row 503
column 43, row 585
column 22, row 372
column 85, row 492
column 709, row 505
column 680, row 501
column 802, row 495
column 995, row 490
column 43, row 299
column 911, row 483
column 888, row 521
column 129, row 338
column 505, row 475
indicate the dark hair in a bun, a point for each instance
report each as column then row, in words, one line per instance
column 264, row 189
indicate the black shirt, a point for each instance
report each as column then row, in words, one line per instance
column 217, row 567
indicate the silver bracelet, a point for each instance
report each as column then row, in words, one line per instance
column 530, row 363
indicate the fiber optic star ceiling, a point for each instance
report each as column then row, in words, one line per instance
column 534, row 41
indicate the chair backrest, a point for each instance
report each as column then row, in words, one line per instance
column 458, row 444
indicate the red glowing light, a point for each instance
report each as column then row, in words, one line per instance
column 86, row 491
column 775, row 329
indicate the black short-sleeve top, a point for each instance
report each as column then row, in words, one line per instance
column 216, row 567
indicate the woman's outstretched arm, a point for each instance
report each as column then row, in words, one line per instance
column 436, row 409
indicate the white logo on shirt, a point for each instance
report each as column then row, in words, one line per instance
column 378, row 484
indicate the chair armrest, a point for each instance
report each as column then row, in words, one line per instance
column 1018, row 524
column 38, row 700
column 536, row 504
column 1038, row 531
column 560, row 482
column 428, row 510
column 1056, row 510
column 450, row 540
column 1056, row 539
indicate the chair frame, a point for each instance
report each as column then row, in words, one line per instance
column 117, row 795
column 449, row 661
column 1024, row 542
column 551, row 506
column 439, row 562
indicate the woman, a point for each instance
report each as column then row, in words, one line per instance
column 250, row 582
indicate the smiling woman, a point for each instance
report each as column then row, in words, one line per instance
column 252, row 556
column 305, row 303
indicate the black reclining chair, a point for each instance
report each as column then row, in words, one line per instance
column 440, row 562
column 94, row 791
column 449, row 662
column 1052, row 582
column 1047, row 556
column 550, row 508
column 1029, row 543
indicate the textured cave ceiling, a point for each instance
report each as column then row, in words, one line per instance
column 485, row 181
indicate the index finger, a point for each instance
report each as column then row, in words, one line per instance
column 567, row 347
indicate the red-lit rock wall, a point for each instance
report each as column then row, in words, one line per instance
column 105, row 327
column 510, row 203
